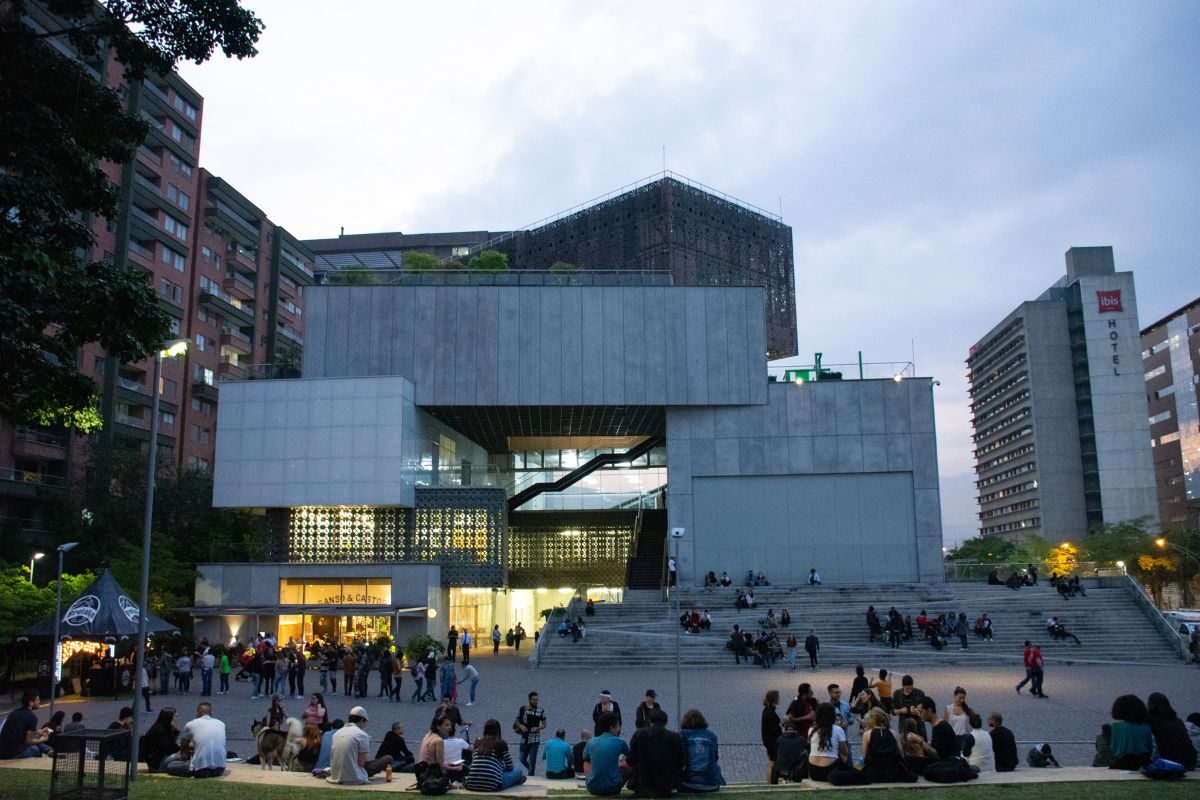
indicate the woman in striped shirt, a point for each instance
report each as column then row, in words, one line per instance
column 492, row 768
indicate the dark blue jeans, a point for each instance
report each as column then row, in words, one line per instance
column 529, row 754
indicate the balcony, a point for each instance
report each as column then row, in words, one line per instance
column 227, row 306
column 28, row 483
column 237, row 341
column 240, row 255
column 39, row 445
column 295, row 269
column 204, row 391
column 292, row 334
column 144, row 253
column 239, row 285
column 150, row 155
column 231, row 371
column 224, row 217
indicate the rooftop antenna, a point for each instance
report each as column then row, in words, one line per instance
column 341, row 231
column 664, row 158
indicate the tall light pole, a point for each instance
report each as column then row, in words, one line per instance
column 175, row 347
column 1162, row 542
column 55, row 667
column 33, row 558
column 166, row 350
column 676, row 535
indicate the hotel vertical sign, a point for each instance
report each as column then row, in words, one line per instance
column 1109, row 302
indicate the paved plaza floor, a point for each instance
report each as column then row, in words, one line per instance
column 1079, row 699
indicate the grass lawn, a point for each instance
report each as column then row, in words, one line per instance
column 19, row 784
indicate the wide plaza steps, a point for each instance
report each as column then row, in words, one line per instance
column 641, row 631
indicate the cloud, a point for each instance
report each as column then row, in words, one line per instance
column 934, row 159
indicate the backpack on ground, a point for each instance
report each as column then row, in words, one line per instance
column 950, row 770
column 1164, row 769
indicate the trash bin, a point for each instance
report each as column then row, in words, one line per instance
column 91, row 765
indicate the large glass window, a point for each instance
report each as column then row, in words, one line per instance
column 331, row 592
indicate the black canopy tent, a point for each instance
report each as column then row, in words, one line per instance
column 103, row 612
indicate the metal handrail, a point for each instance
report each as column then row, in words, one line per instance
column 535, row 657
column 1146, row 603
column 512, row 277
column 976, row 570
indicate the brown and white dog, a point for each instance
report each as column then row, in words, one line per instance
column 276, row 745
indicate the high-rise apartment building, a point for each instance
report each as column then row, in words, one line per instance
column 1171, row 363
column 1058, row 409
column 231, row 281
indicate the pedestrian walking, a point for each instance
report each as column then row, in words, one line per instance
column 962, row 629
column 418, row 675
column 530, row 722
column 495, row 639
column 471, row 674
column 812, row 646
column 452, row 643
column 791, row 651
column 1028, row 661
column 465, row 641
column 672, row 571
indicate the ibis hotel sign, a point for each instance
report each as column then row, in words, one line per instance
column 1109, row 302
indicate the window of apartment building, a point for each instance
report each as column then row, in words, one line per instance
column 201, row 406
column 168, row 419
column 204, row 375
column 174, row 327
column 170, row 387
column 110, row 225
column 170, row 257
column 178, row 197
column 203, row 343
column 1154, row 373
column 171, row 291
column 181, row 167
column 199, row 434
column 202, row 315
column 185, row 108
column 196, row 462
column 293, row 308
column 208, row 285
column 175, row 227
column 211, row 257
column 1163, row 417
column 98, row 365
column 185, row 139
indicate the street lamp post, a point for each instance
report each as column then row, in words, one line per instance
column 175, row 347
column 1162, row 542
column 54, row 650
column 676, row 535
column 32, row 559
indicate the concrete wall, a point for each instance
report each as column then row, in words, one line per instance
column 314, row 442
column 1059, row 474
column 1118, row 389
column 344, row 441
column 545, row 345
column 867, row 447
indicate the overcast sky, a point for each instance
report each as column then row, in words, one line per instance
column 935, row 160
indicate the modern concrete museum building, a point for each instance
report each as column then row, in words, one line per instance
column 478, row 448
column 1062, row 442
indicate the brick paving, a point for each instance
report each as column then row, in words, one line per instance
column 1078, row 702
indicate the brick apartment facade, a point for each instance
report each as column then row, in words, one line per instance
column 230, row 279
column 1171, row 363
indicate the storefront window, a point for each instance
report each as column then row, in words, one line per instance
column 326, row 592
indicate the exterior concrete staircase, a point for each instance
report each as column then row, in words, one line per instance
column 641, row 631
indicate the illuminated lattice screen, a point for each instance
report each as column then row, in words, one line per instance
column 462, row 529
column 568, row 548
column 339, row 533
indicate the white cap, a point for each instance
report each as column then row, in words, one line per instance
column 359, row 711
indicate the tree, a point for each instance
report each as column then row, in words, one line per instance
column 415, row 261
column 351, row 275
column 489, row 261
column 984, row 549
column 59, row 124
column 22, row 604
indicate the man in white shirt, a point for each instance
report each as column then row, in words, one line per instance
column 348, row 762
column 207, row 737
